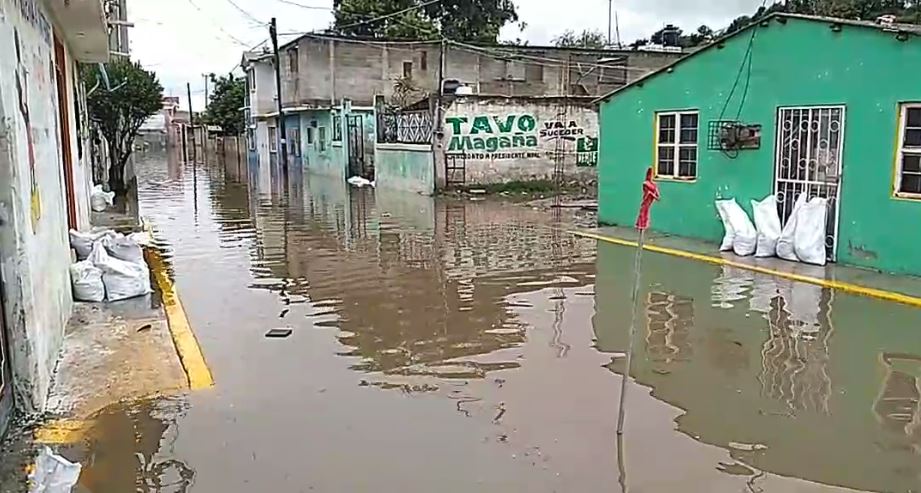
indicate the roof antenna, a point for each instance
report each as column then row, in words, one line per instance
column 617, row 27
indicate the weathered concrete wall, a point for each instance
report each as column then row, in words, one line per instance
column 34, row 246
column 407, row 167
column 262, row 98
column 505, row 139
column 328, row 69
column 322, row 155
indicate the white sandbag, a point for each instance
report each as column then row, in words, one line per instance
column 122, row 279
column 358, row 181
column 746, row 237
column 785, row 249
column 729, row 236
column 86, row 280
column 100, row 199
column 767, row 223
column 142, row 238
column 123, row 248
column 82, row 243
column 809, row 239
column 53, row 473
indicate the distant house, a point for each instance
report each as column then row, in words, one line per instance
column 791, row 104
column 370, row 107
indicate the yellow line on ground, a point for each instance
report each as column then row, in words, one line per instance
column 190, row 353
column 61, row 432
column 827, row 283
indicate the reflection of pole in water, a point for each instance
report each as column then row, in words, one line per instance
column 898, row 405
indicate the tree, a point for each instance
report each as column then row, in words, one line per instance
column 586, row 39
column 475, row 21
column 225, row 104
column 120, row 107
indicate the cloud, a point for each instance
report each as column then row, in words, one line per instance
column 183, row 39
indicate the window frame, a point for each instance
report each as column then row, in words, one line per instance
column 293, row 62
column 900, row 152
column 407, row 64
column 251, row 79
column 273, row 139
column 676, row 146
column 251, row 138
column 321, row 138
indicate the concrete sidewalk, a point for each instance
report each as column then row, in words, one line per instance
column 900, row 289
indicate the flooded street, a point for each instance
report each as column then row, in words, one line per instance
column 455, row 346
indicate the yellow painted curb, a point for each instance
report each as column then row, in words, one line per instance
column 826, row 283
column 61, row 432
column 190, row 353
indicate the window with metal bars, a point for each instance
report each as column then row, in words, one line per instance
column 676, row 145
column 908, row 175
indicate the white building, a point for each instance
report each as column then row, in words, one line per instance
column 261, row 105
column 45, row 181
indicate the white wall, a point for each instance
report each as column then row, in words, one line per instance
column 263, row 100
column 34, row 248
column 508, row 139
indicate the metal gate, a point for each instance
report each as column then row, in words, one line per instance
column 455, row 169
column 356, row 140
column 810, row 143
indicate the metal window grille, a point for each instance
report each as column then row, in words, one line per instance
column 337, row 128
column 810, row 141
column 407, row 127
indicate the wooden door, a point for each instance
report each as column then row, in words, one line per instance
column 60, row 72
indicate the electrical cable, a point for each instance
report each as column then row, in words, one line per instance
column 387, row 16
column 745, row 58
column 218, row 26
column 247, row 14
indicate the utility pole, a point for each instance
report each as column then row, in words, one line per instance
column 188, row 88
column 204, row 131
column 610, row 8
column 282, row 134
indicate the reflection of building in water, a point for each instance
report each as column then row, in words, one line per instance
column 898, row 406
column 669, row 319
column 795, row 356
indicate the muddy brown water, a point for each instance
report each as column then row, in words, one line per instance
column 474, row 346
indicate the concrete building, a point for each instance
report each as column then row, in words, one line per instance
column 841, row 120
column 45, row 181
column 371, row 108
column 260, row 108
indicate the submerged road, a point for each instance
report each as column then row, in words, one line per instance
column 459, row 346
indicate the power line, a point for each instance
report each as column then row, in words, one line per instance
column 230, row 36
column 312, row 7
column 383, row 17
column 247, row 14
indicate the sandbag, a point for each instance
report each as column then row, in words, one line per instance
column 729, row 236
column 809, row 239
column 82, row 243
column 785, row 249
column 86, row 280
column 100, row 199
column 122, row 279
column 123, row 248
column 767, row 224
column 746, row 237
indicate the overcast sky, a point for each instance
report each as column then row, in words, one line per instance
column 183, row 39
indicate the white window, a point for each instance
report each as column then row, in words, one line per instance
column 251, row 139
column 273, row 139
column 908, row 168
column 251, row 79
column 676, row 145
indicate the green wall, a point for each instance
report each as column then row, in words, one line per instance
column 329, row 161
column 799, row 63
column 409, row 167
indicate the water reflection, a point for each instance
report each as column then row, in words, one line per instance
column 819, row 378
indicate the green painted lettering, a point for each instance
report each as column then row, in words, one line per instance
column 455, row 122
column 507, row 126
column 505, row 142
column 478, row 144
column 527, row 123
column 481, row 124
column 518, row 140
column 492, row 144
column 531, row 141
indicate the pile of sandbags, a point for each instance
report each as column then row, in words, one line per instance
column 100, row 199
column 801, row 240
column 110, row 266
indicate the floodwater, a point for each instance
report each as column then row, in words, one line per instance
column 458, row 346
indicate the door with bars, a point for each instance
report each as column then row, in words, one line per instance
column 810, row 143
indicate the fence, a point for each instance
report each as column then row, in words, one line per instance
column 405, row 126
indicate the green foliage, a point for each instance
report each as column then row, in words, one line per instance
column 225, row 104
column 586, row 39
column 135, row 95
column 908, row 11
column 477, row 21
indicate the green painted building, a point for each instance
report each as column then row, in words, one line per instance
column 790, row 104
